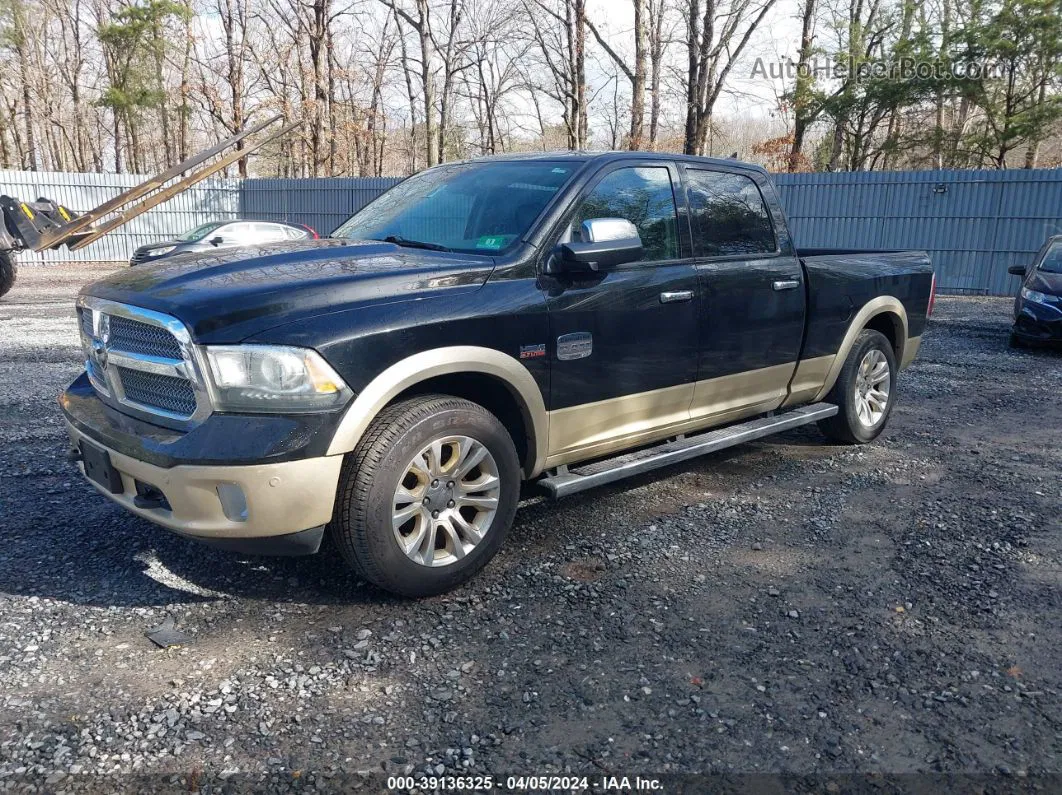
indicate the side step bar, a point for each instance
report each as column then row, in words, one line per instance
column 608, row 470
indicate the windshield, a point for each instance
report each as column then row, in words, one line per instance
column 1052, row 261
column 480, row 208
column 199, row 232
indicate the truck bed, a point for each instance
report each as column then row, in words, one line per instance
column 840, row 281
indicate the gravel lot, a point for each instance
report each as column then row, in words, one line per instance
column 785, row 607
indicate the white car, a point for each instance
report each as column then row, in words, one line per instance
column 222, row 234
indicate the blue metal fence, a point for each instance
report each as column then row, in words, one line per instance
column 973, row 223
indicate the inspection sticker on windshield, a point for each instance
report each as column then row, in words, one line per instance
column 491, row 241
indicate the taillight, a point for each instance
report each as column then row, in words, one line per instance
column 932, row 294
column 311, row 230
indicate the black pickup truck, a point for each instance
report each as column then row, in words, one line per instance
column 562, row 320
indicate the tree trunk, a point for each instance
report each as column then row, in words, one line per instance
column 656, row 58
column 580, row 74
column 427, row 79
column 20, row 35
column 1033, row 150
column 802, row 116
column 837, row 146
column 641, row 52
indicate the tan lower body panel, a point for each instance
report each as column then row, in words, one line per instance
column 592, row 430
column 722, row 396
column 607, row 425
column 280, row 498
column 810, row 375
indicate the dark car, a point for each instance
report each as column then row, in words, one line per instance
column 1038, row 305
column 222, row 234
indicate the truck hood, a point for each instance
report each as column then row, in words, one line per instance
column 231, row 295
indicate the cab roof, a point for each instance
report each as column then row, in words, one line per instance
column 580, row 156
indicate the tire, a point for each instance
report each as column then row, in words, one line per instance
column 397, row 451
column 856, row 424
column 8, row 271
column 1016, row 341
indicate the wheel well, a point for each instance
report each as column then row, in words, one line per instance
column 492, row 394
column 889, row 324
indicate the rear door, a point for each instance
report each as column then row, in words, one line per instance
column 624, row 342
column 752, row 311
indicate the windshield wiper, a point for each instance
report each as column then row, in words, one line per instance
column 407, row 243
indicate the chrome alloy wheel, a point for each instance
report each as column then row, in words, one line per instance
column 872, row 384
column 445, row 501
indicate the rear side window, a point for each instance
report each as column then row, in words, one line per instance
column 643, row 196
column 728, row 215
column 265, row 233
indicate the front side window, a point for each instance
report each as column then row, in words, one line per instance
column 201, row 231
column 481, row 208
column 728, row 215
column 1052, row 261
column 643, row 196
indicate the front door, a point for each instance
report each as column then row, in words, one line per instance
column 624, row 342
column 752, row 312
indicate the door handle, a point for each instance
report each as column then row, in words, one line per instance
column 786, row 284
column 676, row 297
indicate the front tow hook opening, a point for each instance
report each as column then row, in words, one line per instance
column 149, row 497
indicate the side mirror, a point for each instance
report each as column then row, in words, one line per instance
column 217, row 241
column 1016, row 270
column 605, row 243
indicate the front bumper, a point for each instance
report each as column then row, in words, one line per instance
column 254, row 484
column 228, row 503
column 1038, row 323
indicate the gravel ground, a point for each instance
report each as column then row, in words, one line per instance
column 784, row 607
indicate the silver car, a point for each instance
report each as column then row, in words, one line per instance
column 222, row 234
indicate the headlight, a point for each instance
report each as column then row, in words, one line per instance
column 1035, row 296
column 158, row 252
column 271, row 378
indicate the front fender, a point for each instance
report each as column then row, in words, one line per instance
column 419, row 367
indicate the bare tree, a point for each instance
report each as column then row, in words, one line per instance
column 804, row 110
column 717, row 33
column 636, row 74
column 229, row 108
column 560, row 38
column 421, row 25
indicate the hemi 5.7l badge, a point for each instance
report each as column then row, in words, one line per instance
column 533, row 351
column 577, row 345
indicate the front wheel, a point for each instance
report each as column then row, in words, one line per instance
column 427, row 498
column 7, row 272
column 865, row 391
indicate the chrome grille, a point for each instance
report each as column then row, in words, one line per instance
column 85, row 315
column 156, row 391
column 138, row 257
column 143, row 363
column 132, row 336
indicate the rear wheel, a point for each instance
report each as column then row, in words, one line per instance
column 7, row 272
column 865, row 391
column 427, row 498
